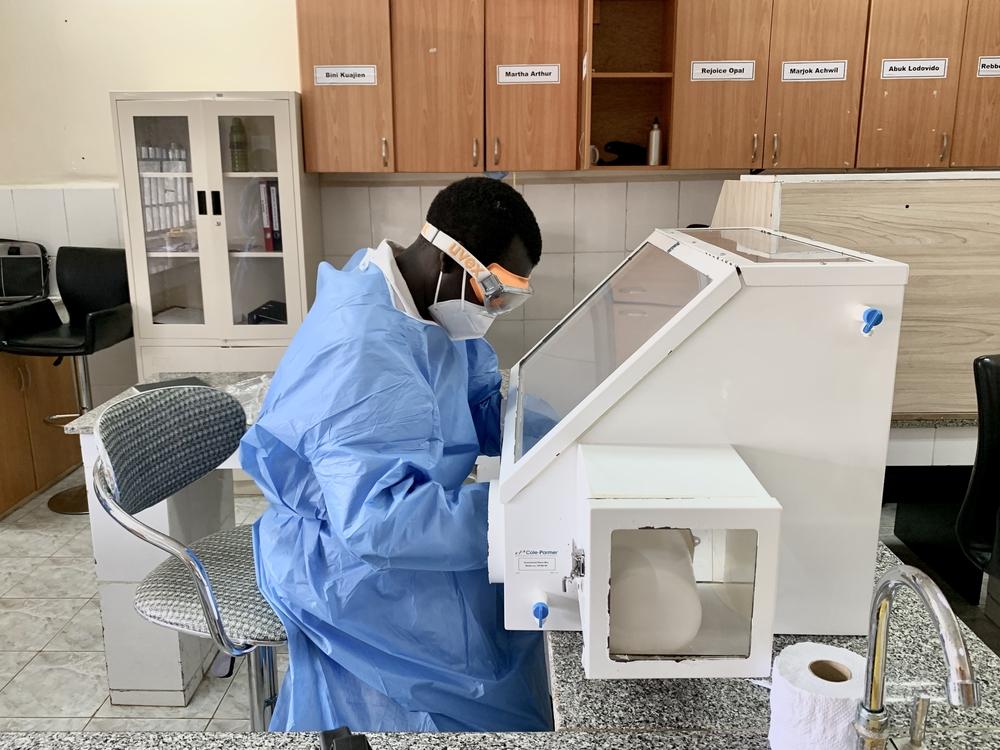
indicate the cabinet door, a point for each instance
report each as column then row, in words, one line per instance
column 17, row 475
column 532, row 74
column 911, row 82
column 168, row 217
column 720, row 83
column 437, row 83
column 977, row 118
column 814, row 83
column 346, row 79
column 50, row 390
column 255, row 237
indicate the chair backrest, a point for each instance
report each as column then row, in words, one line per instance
column 91, row 279
column 158, row 442
column 979, row 515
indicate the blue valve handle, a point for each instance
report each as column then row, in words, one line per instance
column 871, row 317
column 540, row 611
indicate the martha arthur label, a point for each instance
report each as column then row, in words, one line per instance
column 345, row 75
column 520, row 74
column 924, row 67
column 723, row 70
column 814, row 70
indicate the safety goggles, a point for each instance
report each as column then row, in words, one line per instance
column 497, row 289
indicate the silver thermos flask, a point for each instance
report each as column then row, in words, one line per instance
column 655, row 143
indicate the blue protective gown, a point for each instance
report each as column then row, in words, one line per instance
column 373, row 551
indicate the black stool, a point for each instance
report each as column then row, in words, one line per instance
column 93, row 284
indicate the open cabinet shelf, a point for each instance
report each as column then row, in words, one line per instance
column 628, row 48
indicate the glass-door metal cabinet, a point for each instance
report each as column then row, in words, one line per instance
column 222, row 226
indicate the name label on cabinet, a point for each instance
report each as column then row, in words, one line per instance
column 988, row 67
column 814, row 70
column 723, row 70
column 345, row 75
column 508, row 75
column 919, row 67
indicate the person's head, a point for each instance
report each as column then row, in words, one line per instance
column 488, row 218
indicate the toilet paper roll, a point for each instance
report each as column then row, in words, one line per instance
column 815, row 690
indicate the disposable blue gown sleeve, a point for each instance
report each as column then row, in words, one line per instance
column 370, row 457
column 484, row 395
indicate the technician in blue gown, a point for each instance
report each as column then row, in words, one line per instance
column 373, row 551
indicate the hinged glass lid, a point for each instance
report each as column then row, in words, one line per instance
column 609, row 327
column 761, row 246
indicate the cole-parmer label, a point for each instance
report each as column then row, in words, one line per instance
column 345, row 75
column 520, row 74
column 723, row 70
column 536, row 560
column 922, row 67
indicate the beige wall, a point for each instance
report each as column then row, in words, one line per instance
column 59, row 59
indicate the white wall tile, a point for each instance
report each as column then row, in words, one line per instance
column 507, row 337
column 697, row 201
column 337, row 261
column 553, row 208
column 395, row 213
column 535, row 329
column 649, row 206
column 552, row 282
column 8, row 226
column 590, row 269
column 41, row 217
column 599, row 217
column 90, row 217
column 347, row 219
column 427, row 195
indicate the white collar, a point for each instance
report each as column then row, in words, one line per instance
column 383, row 258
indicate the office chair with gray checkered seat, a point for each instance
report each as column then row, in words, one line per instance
column 151, row 446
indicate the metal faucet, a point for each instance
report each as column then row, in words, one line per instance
column 872, row 723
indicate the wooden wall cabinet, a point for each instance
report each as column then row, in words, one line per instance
column 718, row 117
column 347, row 121
column 33, row 454
column 437, row 83
column 532, row 125
column 977, row 119
column 812, row 117
column 907, row 121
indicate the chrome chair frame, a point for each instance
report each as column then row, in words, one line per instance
column 262, row 667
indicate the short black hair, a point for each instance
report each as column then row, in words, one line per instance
column 485, row 215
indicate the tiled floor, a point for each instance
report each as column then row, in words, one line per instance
column 52, row 670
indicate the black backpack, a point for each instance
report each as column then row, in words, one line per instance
column 24, row 271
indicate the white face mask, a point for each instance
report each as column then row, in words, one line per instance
column 461, row 320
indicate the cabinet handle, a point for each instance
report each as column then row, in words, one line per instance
column 202, row 205
column 21, row 387
column 944, row 146
column 216, row 203
column 774, row 149
column 753, row 156
column 496, row 150
column 385, row 152
column 475, row 152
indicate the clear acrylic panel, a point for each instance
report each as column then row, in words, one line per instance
column 618, row 318
column 763, row 247
column 175, row 290
column 253, row 211
column 258, row 286
column 170, row 234
column 678, row 593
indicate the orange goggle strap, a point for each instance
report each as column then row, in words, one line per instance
column 458, row 253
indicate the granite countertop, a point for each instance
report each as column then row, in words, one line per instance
column 84, row 425
column 915, row 664
column 933, row 420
